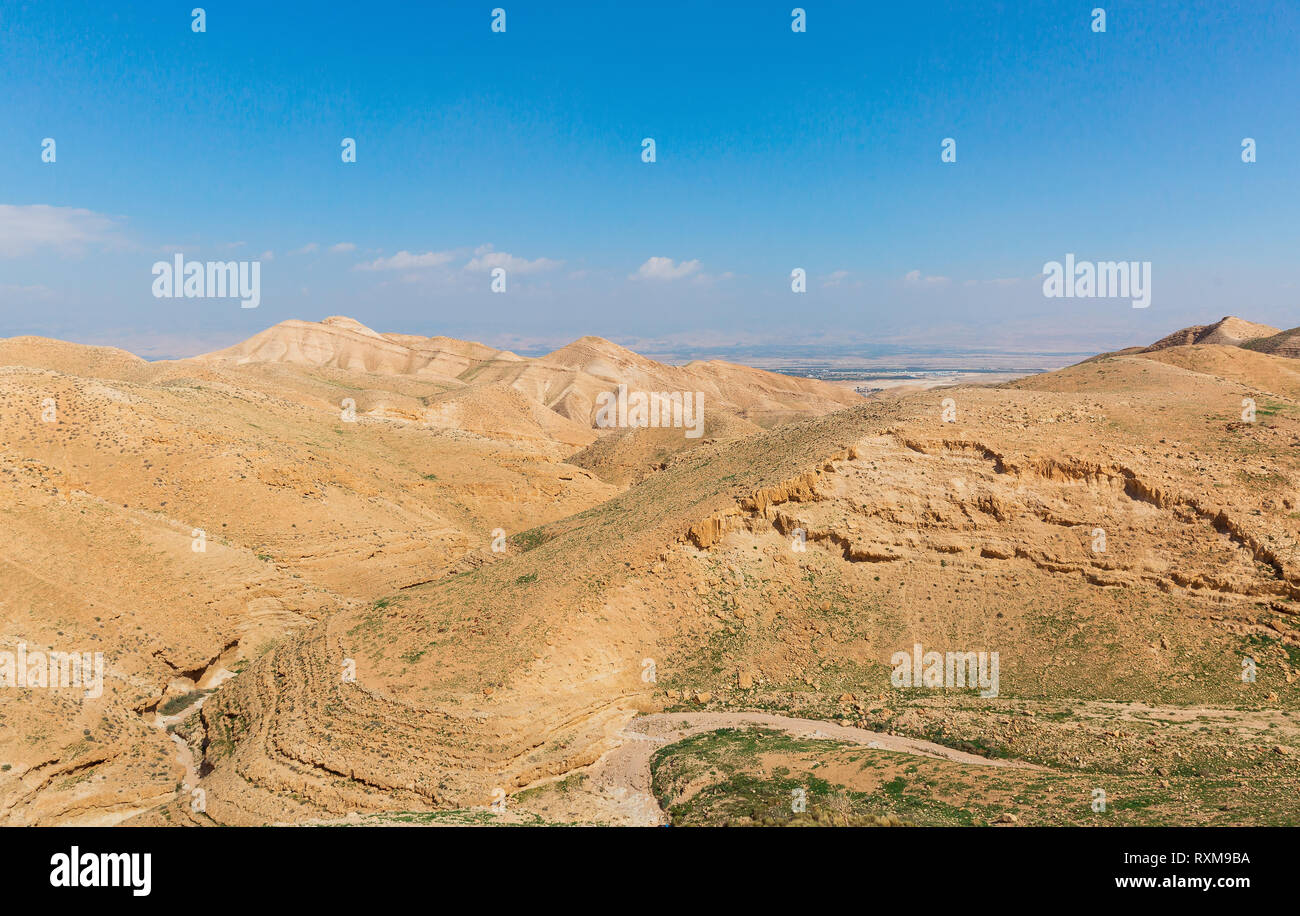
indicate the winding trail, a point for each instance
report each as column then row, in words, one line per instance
column 621, row 779
column 184, row 756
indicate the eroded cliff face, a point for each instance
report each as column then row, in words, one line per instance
column 185, row 519
column 1114, row 532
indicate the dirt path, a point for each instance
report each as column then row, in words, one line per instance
column 621, row 779
column 184, row 755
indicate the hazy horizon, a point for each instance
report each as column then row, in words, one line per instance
column 665, row 349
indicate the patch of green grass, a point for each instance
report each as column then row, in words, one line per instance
column 711, row 779
column 374, row 622
column 530, row 539
column 976, row 746
column 1269, row 481
column 181, row 701
column 1260, row 640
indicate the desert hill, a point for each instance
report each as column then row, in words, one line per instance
column 1257, row 370
column 502, row 413
column 626, row 456
column 1231, row 348
column 72, row 358
column 1227, row 331
column 457, row 590
column 977, row 534
column 185, row 515
column 1283, row 343
column 567, row 380
column 343, row 343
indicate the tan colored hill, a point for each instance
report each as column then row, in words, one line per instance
column 112, row 469
column 72, row 358
column 1256, row 370
column 1283, row 343
column 555, row 397
column 343, row 343
column 982, row 534
column 318, row 465
column 566, row 381
column 406, row 615
column 1227, row 331
column 503, row 414
column 570, row 379
column 626, row 456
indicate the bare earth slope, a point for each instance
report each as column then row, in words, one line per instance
column 1284, row 343
column 1227, row 331
column 976, row 535
column 182, row 517
column 412, row 604
column 566, row 381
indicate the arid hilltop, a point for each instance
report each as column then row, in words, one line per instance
column 1227, row 331
column 566, row 381
column 464, row 602
column 181, row 517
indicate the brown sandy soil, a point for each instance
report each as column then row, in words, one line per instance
column 1226, row 332
column 761, row 570
column 113, row 471
column 616, row 790
column 750, row 777
column 916, row 531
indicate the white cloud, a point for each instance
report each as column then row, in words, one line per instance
column 26, row 228
column 306, row 249
column 664, row 269
column 486, row 259
column 343, row 247
column 404, row 260
column 703, row 279
column 836, row 278
column 915, row 278
column 268, row 255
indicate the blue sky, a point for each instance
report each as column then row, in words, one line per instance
column 775, row 150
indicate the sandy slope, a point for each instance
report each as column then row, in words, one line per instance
column 770, row 571
column 975, row 534
column 320, row 465
column 1228, row 331
column 566, row 381
column 619, row 783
